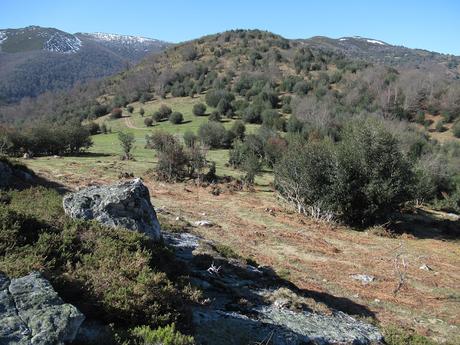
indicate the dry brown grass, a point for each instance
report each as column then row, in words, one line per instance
column 320, row 258
column 447, row 135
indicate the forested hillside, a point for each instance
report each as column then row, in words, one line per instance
column 34, row 60
column 315, row 76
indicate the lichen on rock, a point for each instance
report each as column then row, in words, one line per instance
column 31, row 312
column 126, row 204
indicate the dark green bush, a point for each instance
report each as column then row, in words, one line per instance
column 167, row 335
column 176, row 118
column 49, row 139
column 362, row 179
column 199, row 109
column 162, row 113
column 294, row 125
column 397, row 336
column 127, row 141
column 212, row 134
column 373, row 176
column 420, row 117
column 247, row 158
column 190, row 139
column 93, row 128
column 215, row 116
column 238, row 129
column 99, row 110
column 253, row 114
column 159, row 140
column 213, row 97
column 272, row 119
column 148, row 122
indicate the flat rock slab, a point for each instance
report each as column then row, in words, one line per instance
column 126, row 204
column 31, row 312
column 224, row 322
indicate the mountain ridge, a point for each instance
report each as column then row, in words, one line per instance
column 233, row 54
column 34, row 60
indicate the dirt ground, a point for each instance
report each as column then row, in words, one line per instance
column 416, row 271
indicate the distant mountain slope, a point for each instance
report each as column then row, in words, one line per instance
column 376, row 51
column 130, row 47
column 34, row 60
column 324, row 77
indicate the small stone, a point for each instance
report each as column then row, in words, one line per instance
column 205, row 223
column 425, row 267
column 363, row 278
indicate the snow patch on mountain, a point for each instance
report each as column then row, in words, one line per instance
column 3, row 36
column 363, row 39
column 375, row 42
column 126, row 39
column 61, row 43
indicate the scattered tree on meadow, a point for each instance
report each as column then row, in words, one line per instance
column 199, row 109
column 148, row 122
column 190, row 139
column 176, row 117
column 213, row 134
column 127, row 141
column 162, row 113
column 116, row 113
column 238, row 129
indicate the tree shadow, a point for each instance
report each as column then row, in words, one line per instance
column 244, row 280
column 424, row 224
column 24, row 178
column 236, row 291
column 92, row 154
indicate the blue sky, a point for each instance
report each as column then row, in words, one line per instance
column 432, row 25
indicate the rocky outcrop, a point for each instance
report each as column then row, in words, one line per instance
column 126, row 204
column 31, row 312
column 244, row 305
column 6, row 174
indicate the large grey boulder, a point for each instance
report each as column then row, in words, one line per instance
column 31, row 312
column 6, row 174
column 126, row 204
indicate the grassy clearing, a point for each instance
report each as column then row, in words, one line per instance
column 103, row 158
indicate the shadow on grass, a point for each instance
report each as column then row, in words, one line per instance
column 93, row 154
column 24, row 178
column 426, row 225
column 240, row 281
